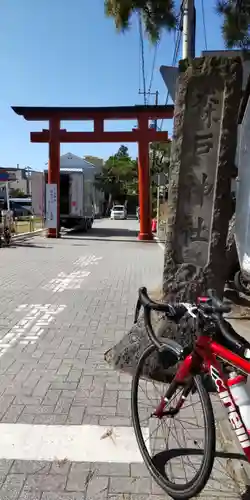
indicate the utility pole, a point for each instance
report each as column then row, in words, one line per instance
column 7, row 195
column 158, row 175
column 188, row 29
column 149, row 93
column 156, row 103
column 158, row 203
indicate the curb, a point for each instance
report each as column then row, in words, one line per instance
column 159, row 242
column 24, row 236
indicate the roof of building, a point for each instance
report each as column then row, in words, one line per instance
column 69, row 160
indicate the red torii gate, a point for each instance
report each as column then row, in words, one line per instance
column 143, row 135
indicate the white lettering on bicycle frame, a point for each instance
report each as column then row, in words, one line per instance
column 233, row 415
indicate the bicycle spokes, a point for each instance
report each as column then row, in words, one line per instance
column 171, row 422
column 164, row 409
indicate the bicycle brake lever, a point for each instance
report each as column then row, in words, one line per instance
column 137, row 310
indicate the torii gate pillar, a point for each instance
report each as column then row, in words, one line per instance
column 145, row 233
column 54, row 169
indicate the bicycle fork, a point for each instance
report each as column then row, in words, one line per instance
column 160, row 411
column 183, row 378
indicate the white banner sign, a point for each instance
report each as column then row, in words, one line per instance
column 51, row 206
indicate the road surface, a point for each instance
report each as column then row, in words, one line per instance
column 63, row 303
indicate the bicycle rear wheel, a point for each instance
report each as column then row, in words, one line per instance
column 169, row 458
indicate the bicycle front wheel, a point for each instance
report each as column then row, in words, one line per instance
column 178, row 450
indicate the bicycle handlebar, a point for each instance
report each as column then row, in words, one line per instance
column 172, row 311
column 210, row 305
column 145, row 301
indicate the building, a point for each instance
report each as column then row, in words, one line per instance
column 19, row 179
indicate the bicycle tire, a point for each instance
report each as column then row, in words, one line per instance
column 197, row 484
column 240, row 283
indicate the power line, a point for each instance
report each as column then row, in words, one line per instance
column 204, row 23
column 153, row 69
column 139, row 75
column 142, row 58
column 175, row 57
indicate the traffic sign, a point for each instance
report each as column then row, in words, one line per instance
column 160, row 179
column 170, row 75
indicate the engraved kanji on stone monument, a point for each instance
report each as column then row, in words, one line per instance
column 206, row 188
column 208, row 106
column 199, row 171
column 206, row 86
column 203, row 143
column 197, row 142
column 198, row 232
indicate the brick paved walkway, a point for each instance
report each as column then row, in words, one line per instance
column 63, row 304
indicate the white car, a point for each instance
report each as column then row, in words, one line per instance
column 118, row 212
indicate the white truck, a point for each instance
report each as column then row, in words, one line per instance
column 76, row 198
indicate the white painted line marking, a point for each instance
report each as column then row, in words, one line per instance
column 87, row 260
column 76, row 443
column 63, row 282
column 37, row 315
column 73, row 280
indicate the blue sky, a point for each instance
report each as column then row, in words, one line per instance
column 56, row 53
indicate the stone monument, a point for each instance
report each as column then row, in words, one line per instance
column 199, row 200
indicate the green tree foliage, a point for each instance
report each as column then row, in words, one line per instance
column 156, row 14
column 98, row 162
column 159, row 163
column 119, row 175
column 160, row 157
column 236, row 25
column 159, row 15
column 17, row 193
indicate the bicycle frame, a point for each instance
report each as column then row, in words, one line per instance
column 204, row 359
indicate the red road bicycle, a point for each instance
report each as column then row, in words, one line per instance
column 218, row 351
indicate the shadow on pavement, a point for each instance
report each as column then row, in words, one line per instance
column 88, row 238
column 19, row 244
column 105, row 234
column 222, row 474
